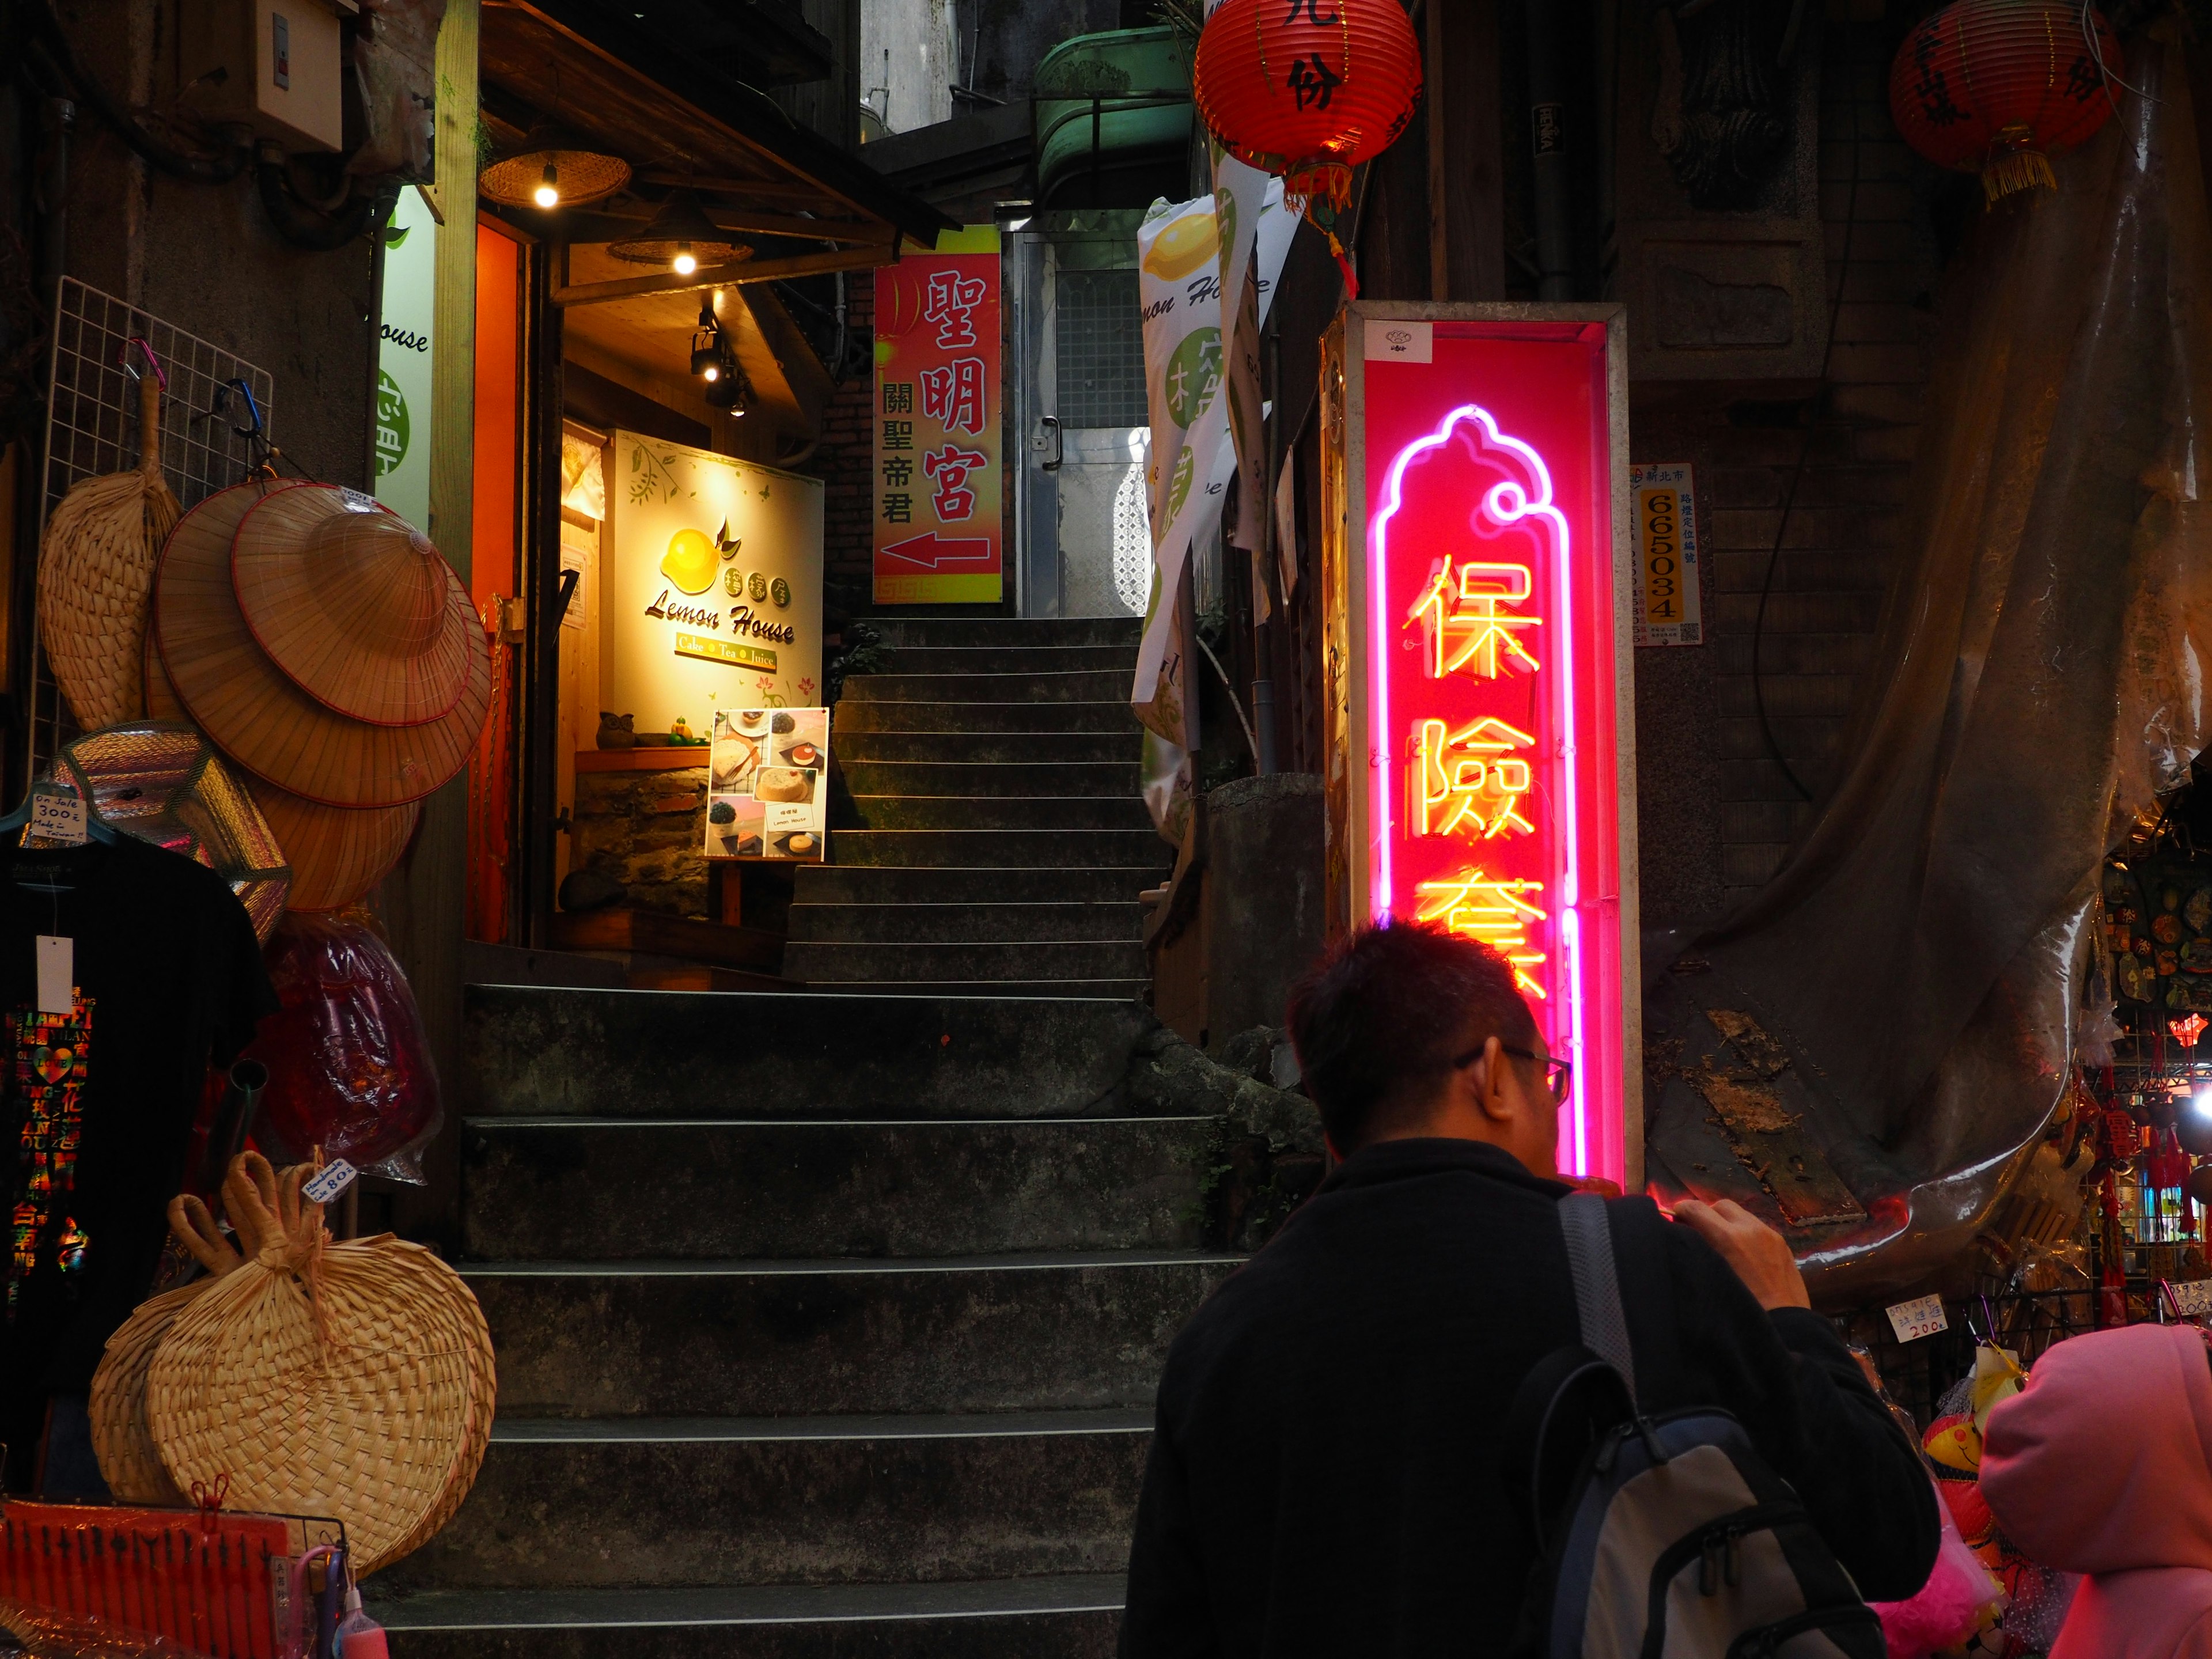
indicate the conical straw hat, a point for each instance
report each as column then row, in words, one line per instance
column 355, row 605
column 257, row 716
column 337, row 853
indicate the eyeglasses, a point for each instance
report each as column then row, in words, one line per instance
column 1558, row 1073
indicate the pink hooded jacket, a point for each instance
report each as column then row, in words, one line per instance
column 2103, row 1465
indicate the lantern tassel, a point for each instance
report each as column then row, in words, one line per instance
column 2017, row 170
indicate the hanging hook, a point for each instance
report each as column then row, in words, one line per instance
column 153, row 360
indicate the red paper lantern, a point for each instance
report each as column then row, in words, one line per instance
column 1307, row 88
column 1998, row 87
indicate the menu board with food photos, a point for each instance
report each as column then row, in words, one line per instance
column 768, row 784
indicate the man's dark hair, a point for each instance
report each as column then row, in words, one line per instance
column 1377, row 1023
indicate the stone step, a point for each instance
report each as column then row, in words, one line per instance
column 550, row 1051
column 859, row 884
column 921, row 922
column 1090, row 686
column 924, row 713
column 978, row 750
column 1125, row 811
column 564, row 1188
column 1104, row 990
column 1037, row 1332
column 1077, row 849
column 1020, row 779
column 820, row 962
column 792, row 1500
column 1124, row 631
column 1012, row 659
column 1070, row 1617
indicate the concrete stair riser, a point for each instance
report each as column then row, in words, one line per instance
column 1011, row 659
column 1001, row 631
column 780, row 1339
column 918, row 922
column 560, row 1189
column 1076, row 850
column 991, row 812
column 925, row 713
column 1015, row 779
column 988, row 748
column 1119, row 990
column 1087, row 685
column 860, row 884
column 535, row 1051
column 782, row 1507
column 814, row 962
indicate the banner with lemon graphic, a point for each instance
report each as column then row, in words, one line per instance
column 713, row 594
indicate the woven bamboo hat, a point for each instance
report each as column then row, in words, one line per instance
column 353, row 1380
column 355, row 605
column 128, row 1462
column 337, row 853
column 257, row 714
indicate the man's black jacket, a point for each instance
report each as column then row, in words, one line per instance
column 1325, row 1473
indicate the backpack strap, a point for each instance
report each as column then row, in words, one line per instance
column 1588, row 1233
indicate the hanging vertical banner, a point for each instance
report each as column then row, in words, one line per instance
column 937, row 484
column 1478, row 574
column 403, row 361
column 1669, row 611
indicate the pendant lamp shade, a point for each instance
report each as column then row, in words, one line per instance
column 678, row 231
column 582, row 171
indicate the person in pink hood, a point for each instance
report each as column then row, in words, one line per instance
column 2102, row 1465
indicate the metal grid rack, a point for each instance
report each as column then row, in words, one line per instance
column 92, row 427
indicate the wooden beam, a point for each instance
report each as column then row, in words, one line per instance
column 779, row 189
column 1466, row 162
column 582, row 223
column 753, row 270
column 421, row 902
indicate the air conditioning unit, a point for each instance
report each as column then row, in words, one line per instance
column 273, row 65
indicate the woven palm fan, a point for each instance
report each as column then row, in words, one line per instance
column 128, row 1460
column 97, row 571
column 353, row 1380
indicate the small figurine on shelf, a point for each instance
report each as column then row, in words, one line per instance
column 680, row 735
column 617, row 731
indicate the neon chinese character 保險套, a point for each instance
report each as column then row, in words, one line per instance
column 1496, row 911
column 1468, row 621
column 1469, row 782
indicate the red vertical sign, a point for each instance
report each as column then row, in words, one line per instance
column 937, row 484
column 1493, row 673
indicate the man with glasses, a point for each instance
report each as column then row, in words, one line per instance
column 1326, row 1470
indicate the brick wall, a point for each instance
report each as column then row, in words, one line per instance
column 1721, row 810
column 846, row 456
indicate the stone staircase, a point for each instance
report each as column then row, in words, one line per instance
column 826, row 1326
column 991, row 837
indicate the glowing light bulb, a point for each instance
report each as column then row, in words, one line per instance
column 685, row 262
column 712, row 373
column 2201, row 1102
column 548, row 193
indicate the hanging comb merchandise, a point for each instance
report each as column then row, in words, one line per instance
column 126, row 972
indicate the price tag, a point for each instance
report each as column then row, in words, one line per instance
column 2191, row 1300
column 57, row 974
column 333, row 1178
column 56, row 817
column 1922, row 1316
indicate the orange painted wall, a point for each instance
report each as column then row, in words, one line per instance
column 493, row 573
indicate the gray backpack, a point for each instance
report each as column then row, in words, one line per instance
column 1666, row 1537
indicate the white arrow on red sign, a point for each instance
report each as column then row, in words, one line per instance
column 933, row 551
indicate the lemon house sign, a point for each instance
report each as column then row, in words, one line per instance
column 713, row 598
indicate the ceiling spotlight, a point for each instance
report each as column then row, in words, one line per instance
column 726, row 390
column 706, row 343
column 682, row 238
column 555, row 164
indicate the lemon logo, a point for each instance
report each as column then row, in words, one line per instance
column 1188, row 243
column 691, row 560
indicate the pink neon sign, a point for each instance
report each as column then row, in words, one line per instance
column 1494, row 796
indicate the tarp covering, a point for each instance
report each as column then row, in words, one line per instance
column 1874, row 1044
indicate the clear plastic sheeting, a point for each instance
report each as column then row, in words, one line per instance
column 1870, row 1050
